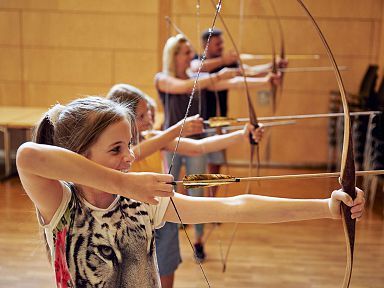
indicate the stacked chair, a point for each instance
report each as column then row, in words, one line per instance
column 367, row 131
column 361, row 101
column 374, row 152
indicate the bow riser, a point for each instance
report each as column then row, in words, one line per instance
column 349, row 224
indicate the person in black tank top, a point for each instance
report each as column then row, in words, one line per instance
column 216, row 102
column 174, row 85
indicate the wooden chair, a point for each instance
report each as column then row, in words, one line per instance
column 363, row 100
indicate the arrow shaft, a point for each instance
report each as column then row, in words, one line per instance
column 306, row 176
column 275, row 177
column 309, row 116
column 238, row 127
column 311, row 69
column 245, row 56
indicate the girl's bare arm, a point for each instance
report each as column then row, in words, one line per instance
column 193, row 147
column 41, row 167
column 260, row 209
column 162, row 139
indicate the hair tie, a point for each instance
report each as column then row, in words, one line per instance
column 53, row 114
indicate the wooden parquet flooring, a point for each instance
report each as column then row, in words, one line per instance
column 297, row 254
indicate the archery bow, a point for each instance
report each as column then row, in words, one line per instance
column 195, row 181
column 347, row 171
column 282, row 45
column 273, row 68
column 227, row 121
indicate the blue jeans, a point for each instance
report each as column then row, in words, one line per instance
column 193, row 165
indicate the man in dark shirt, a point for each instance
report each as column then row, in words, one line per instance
column 215, row 101
column 216, row 59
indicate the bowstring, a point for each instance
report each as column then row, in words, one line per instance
column 217, row 11
column 252, row 119
column 199, row 47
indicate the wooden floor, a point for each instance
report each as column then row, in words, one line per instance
column 302, row 254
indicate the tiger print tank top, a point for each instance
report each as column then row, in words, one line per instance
column 112, row 247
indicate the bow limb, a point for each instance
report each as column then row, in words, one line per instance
column 282, row 44
column 274, row 67
column 178, row 30
column 347, row 171
column 251, row 109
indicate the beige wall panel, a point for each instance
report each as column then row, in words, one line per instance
column 349, row 37
column 354, row 75
column 239, row 154
column 290, row 103
column 310, row 102
column 319, row 81
column 344, row 37
column 135, row 68
column 257, row 36
column 238, row 106
column 258, row 32
column 10, row 64
column 9, row 28
column 130, row 6
column 331, row 8
column 90, row 30
column 229, row 8
column 277, row 188
column 376, row 34
column 189, row 8
column 287, row 145
column 323, row 8
column 44, row 65
column 300, row 143
column 72, row 48
column 188, row 25
column 10, row 94
column 326, row 81
column 49, row 94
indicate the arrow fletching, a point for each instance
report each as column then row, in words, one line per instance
column 207, row 180
column 221, row 121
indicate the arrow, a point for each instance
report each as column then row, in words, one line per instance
column 194, row 181
column 214, row 120
column 254, row 72
column 226, row 127
column 245, row 57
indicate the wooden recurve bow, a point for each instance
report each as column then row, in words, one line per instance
column 282, row 44
column 273, row 68
column 347, row 171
